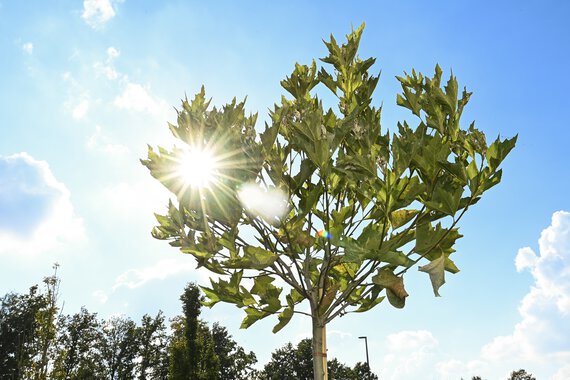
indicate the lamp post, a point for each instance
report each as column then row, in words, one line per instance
column 366, row 344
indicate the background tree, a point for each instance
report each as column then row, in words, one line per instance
column 360, row 208
column 18, row 332
column 152, row 348
column 192, row 352
column 235, row 363
column 119, row 348
column 361, row 371
column 283, row 365
column 77, row 354
column 521, row 374
column 295, row 363
column 46, row 319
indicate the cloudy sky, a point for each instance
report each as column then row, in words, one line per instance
column 85, row 86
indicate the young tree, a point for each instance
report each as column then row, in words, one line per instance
column 327, row 201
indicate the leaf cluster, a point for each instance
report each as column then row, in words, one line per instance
column 364, row 204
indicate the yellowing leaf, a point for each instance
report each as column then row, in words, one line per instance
column 401, row 217
column 394, row 287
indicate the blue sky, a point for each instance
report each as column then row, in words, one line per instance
column 84, row 86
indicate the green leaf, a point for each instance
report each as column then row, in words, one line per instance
column 253, row 315
column 369, row 303
column 457, row 169
column 394, row 258
column 259, row 258
column 211, row 295
column 269, row 136
column 498, row 151
column 284, row 318
column 436, row 271
column 446, row 198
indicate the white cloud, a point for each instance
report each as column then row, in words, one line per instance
column 542, row 334
column 136, row 200
column 106, row 69
column 112, row 53
column 80, row 109
column 101, row 296
column 100, row 142
column 36, row 213
column 137, row 98
column 409, row 354
column 28, row 48
column 135, row 278
column 97, row 12
column 526, row 258
column 541, row 340
column 456, row 369
column 562, row 374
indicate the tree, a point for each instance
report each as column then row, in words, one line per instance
column 235, row 363
column 28, row 331
column 18, row 332
column 295, row 363
column 327, row 201
column 361, row 371
column 46, row 318
column 152, row 348
column 77, row 356
column 119, row 348
column 288, row 363
column 521, row 374
column 192, row 352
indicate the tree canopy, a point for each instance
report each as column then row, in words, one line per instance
column 329, row 201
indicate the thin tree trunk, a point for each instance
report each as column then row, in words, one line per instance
column 319, row 350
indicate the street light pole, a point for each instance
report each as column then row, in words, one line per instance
column 366, row 343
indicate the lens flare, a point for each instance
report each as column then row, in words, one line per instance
column 197, row 168
column 324, row 234
column 269, row 204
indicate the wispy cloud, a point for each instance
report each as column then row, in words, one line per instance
column 80, row 109
column 35, row 208
column 134, row 278
column 97, row 13
column 28, row 48
column 106, row 68
column 137, row 98
column 100, row 142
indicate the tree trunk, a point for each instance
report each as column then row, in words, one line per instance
column 319, row 350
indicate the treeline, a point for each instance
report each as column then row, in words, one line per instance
column 39, row 342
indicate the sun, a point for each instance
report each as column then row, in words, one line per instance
column 197, row 168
